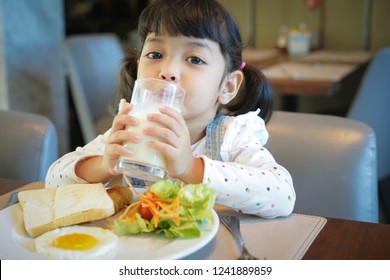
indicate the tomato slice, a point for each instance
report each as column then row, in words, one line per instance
column 145, row 212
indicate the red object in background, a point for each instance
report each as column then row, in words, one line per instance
column 312, row 4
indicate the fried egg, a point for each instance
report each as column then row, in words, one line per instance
column 76, row 242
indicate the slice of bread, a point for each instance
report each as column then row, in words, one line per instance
column 48, row 209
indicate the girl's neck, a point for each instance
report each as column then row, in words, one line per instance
column 197, row 126
column 197, row 131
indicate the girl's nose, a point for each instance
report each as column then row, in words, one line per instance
column 169, row 72
column 168, row 78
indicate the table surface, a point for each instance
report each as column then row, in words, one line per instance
column 263, row 57
column 301, row 78
column 339, row 239
column 8, row 185
column 350, row 240
column 320, row 73
column 335, row 56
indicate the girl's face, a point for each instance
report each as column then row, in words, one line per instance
column 197, row 65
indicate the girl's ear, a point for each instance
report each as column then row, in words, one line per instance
column 231, row 87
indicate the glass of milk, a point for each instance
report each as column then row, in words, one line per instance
column 148, row 96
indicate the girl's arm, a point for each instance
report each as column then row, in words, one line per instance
column 63, row 171
column 92, row 170
column 248, row 178
column 266, row 190
column 96, row 161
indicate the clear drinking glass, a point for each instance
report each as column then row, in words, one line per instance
column 148, row 96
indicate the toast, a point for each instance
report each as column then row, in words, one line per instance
column 51, row 208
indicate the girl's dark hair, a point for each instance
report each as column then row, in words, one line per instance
column 205, row 19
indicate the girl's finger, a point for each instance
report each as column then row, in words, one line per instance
column 122, row 136
column 126, row 108
column 122, row 120
column 165, row 135
column 173, row 122
column 115, row 150
column 173, row 114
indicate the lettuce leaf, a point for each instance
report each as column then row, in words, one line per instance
column 166, row 189
column 137, row 226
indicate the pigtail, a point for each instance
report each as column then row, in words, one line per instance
column 255, row 92
column 126, row 79
column 128, row 75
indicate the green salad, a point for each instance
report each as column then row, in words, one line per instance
column 170, row 208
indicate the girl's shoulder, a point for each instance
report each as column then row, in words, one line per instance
column 248, row 120
column 251, row 117
column 246, row 124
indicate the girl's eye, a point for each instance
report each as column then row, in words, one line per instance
column 154, row 55
column 195, row 60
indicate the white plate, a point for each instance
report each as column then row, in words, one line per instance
column 15, row 243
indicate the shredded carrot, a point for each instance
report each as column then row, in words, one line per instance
column 160, row 208
column 131, row 207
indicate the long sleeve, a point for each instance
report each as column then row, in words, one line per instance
column 249, row 179
column 62, row 171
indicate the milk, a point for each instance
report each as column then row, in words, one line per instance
column 141, row 152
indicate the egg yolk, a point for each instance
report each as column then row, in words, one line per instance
column 75, row 241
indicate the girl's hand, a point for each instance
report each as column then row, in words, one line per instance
column 118, row 136
column 103, row 168
column 175, row 145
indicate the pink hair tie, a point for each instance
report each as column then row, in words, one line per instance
column 242, row 65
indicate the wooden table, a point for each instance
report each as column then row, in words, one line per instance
column 350, row 240
column 8, row 185
column 320, row 73
column 335, row 56
column 338, row 239
column 263, row 57
column 310, row 79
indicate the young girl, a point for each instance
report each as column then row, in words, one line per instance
column 197, row 45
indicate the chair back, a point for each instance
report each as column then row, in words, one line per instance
column 372, row 106
column 28, row 146
column 93, row 62
column 332, row 161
